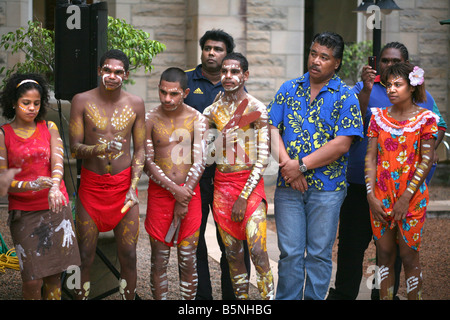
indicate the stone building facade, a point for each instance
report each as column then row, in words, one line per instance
column 269, row 33
column 273, row 34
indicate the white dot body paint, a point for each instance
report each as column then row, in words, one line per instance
column 121, row 120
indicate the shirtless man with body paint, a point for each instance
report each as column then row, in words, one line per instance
column 175, row 161
column 103, row 122
column 240, row 205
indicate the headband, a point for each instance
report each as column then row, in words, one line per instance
column 25, row 81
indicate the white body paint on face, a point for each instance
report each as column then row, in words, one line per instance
column 232, row 66
column 22, row 108
column 233, row 88
column 234, row 76
column 171, row 95
column 111, row 88
column 171, row 109
column 390, row 86
column 109, row 70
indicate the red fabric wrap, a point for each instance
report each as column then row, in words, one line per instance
column 227, row 188
column 160, row 205
column 103, row 196
column 33, row 155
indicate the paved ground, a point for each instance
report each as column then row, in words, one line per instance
column 10, row 282
column 435, row 208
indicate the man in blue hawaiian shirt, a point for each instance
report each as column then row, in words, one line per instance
column 317, row 117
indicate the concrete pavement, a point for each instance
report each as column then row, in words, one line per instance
column 272, row 249
column 441, row 208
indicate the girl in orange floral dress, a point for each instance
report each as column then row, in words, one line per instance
column 399, row 157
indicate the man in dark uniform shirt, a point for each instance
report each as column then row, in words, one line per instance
column 204, row 84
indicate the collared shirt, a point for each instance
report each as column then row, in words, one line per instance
column 378, row 99
column 201, row 95
column 306, row 127
column 202, row 91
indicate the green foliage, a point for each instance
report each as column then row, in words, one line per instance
column 355, row 57
column 136, row 44
column 38, row 45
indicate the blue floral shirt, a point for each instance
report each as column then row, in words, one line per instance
column 306, row 127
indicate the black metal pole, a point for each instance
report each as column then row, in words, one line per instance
column 377, row 42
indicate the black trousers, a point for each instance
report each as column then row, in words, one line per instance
column 204, row 288
column 355, row 234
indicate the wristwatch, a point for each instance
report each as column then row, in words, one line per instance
column 302, row 166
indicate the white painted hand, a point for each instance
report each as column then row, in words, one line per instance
column 66, row 226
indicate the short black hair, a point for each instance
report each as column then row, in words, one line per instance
column 12, row 91
column 239, row 57
column 399, row 46
column 115, row 54
column 332, row 41
column 174, row 74
column 218, row 35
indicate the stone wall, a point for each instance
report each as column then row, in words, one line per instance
column 13, row 15
column 417, row 26
column 274, row 45
column 428, row 42
column 269, row 32
column 165, row 21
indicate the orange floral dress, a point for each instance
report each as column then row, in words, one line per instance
column 398, row 156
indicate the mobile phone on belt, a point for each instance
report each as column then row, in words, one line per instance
column 373, row 62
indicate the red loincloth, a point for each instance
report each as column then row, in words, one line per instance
column 160, row 205
column 227, row 188
column 103, row 196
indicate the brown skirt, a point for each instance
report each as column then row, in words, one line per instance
column 44, row 241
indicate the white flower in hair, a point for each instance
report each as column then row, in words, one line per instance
column 416, row 76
